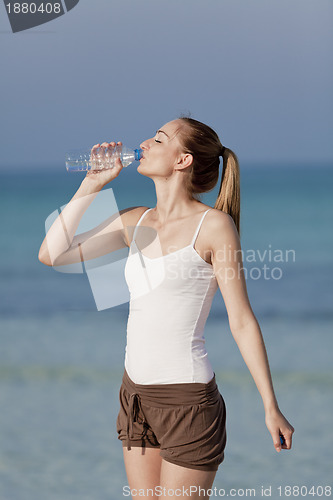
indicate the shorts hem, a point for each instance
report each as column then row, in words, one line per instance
column 138, row 444
column 204, row 467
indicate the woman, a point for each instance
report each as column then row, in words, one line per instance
column 172, row 417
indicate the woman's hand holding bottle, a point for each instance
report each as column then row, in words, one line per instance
column 102, row 176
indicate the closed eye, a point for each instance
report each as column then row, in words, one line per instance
column 160, row 142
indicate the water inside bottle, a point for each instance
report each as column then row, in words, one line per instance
column 77, row 165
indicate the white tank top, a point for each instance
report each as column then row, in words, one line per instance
column 170, row 299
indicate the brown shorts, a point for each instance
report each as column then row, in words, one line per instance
column 187, row 421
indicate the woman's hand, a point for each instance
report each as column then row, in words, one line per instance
column 278, row 425
column 104, row 176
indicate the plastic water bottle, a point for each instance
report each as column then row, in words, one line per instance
column 78, row 160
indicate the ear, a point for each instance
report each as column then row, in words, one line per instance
column 184, row 160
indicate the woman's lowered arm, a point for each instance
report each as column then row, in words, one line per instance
column 228, row 269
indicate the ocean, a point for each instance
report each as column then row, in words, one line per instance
column 62, row 357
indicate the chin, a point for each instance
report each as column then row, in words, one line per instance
column 140, row 172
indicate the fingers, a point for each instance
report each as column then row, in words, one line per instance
column 279, row 427
column 286, row 437
column 107, row 152
column 105, row 144
column 276, row 441
column 108, row 144
column 111, row 143
column 118, row 164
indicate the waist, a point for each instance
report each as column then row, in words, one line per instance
column 164, row 395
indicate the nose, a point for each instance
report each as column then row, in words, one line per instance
column 145, row 144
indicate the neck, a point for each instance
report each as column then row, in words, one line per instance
column 172, row 201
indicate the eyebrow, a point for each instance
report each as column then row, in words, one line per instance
column 162, row 132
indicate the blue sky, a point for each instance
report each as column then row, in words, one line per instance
column 259, row 72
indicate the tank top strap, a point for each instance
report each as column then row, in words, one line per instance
column 199, row 226
column 139, row 222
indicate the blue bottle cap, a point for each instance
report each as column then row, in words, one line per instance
column 138, row 153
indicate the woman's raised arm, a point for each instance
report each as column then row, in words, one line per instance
column 60, row 245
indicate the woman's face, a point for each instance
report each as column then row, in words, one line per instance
column 162, row 152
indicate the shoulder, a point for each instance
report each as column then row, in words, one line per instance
column 132, row 214
column 220, row 229
column 130, row 217
column 218, row 219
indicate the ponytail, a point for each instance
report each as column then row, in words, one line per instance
column 228, row 199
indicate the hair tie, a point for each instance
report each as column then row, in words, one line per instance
column 222, row 151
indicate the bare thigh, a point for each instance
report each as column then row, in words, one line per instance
column 174, row 477
column 143, row 470
column 148, row 470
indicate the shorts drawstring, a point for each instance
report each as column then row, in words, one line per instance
column 133, row 412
